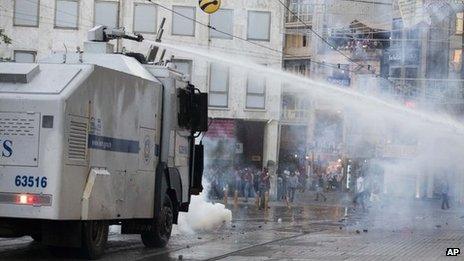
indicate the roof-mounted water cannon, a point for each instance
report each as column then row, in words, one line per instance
column 99, row 37
column 101, row 33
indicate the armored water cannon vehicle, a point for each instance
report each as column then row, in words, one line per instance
column 95, row 139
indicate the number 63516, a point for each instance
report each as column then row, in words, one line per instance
column 31, row 181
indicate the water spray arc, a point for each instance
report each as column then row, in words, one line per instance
column 348, row 97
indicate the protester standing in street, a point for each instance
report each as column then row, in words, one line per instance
column 247, row 179
column 264, row 185
column 320, row 189
column 256, row 182
column 237, row 184
column 285, row 180
column 445, row 195
column 292, row 186
column 360, row 192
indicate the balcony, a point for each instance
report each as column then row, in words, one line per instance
column 303, row 20
column 399, row 151
column 362, row 51
column 295, row 116
column 295, row 107
column 429, row 91
column 297, row 42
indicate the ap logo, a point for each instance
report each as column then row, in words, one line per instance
column 453, row 251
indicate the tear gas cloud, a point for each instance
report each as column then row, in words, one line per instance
column 204, row 215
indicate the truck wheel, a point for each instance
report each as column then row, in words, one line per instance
column 162, row 228
column 37, row 237
column 94, row 239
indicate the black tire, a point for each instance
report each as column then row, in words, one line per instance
column 94, row 239
column 162, row 228
column 37, row 238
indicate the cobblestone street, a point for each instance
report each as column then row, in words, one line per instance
column 314, row 231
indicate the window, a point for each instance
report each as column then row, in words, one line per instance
column 459, row 23
column 218, row 85
column 256, row 93
column 259, row 25
column 456, row 60
column 183, row 66
column 180, row 24
column 410, row 73
column 26, row 13
column 66, row 14
column 222, row 20
column 145, row 17
column 396, row 34
column 290, row 41
column 106, row 13
column 301, row 67
column 395, row 72
column 24, row 56
column 300, row 9
column 296, row 41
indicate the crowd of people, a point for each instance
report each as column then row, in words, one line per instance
column 247, row 182
column 251, row 182
column 288, row 183
column 318, row 180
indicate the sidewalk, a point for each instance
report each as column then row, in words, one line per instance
column 396, row 229
column 335, row 199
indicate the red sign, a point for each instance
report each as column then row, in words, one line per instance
column 222, row 128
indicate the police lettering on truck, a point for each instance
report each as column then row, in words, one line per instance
column 7, row 148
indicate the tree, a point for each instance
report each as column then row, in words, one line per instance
column 4, row 38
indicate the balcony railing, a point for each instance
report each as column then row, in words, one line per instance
column 292, row 115
column 302, row 19
column 365, row 52
column 399, row 151
column 435, row 91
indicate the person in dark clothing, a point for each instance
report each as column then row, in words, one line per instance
column 256, row 181
column 445, row 195
column 264, row 186
column 320, row 189
column 292, row 186
column 247, row 179
column 285, row 180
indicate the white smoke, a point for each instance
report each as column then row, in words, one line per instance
column 203, row 215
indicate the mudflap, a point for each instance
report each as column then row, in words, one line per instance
column 170, row 186
column 160, row 188
column 62, row 233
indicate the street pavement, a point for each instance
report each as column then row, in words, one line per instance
column 396, row 229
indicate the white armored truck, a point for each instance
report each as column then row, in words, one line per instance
column 93, row 139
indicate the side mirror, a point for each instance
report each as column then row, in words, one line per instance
column 200, row 112
column 193, row 110
column 196, row 187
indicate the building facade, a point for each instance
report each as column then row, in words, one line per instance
column 425, row 66
column 408, row 50
column 341, row 43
